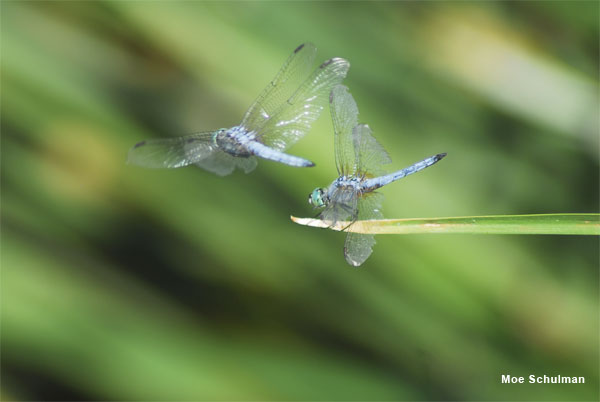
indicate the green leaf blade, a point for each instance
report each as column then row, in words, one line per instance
column 547, row 224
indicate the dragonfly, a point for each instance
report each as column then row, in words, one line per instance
column 280, row 116
column 359, row 159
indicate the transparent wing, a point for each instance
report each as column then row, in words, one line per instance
column 172, row 152
column 342, row 206
column 286, row 82
column 358, row 247
column 369, row 154
column 222, row 164
column 344, row 114
column 294, row 118
column 369, row 206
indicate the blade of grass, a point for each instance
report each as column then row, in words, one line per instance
column 563, row 224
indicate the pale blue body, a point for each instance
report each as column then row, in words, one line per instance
column 280, row 116
column 359, row 159
column 377, row 182
column 237, row 141
column 360, row 185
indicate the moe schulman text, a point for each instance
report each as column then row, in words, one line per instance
column 533, row 379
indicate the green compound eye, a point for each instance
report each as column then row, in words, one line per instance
column 316, row 198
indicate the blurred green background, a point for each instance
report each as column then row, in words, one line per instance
column 132, row 284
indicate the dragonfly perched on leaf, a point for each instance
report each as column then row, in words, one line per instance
column 359, row 159
column 280, row 116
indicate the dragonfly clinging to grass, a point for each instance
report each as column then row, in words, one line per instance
column 359, row 159
column 279, row 117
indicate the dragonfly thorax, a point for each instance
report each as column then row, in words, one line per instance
column 347, row 181
column 320, row 197
column 233, row 140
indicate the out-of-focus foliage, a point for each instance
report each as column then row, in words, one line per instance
column 125, row 283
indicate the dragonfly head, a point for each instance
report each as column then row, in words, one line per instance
column 217, row 135
column 318, row 198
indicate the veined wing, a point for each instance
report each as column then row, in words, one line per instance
column 294, row 118
column 358, row 246
column 172, row 152
column 341, row 207
column 369, row 154
column 344, row 114
column 222, row 164
column 286, row 82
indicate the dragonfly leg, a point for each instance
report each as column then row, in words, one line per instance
column 350, row 224
column 353, row 215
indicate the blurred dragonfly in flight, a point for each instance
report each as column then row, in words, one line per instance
column 280, row 116
column 359, row 159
